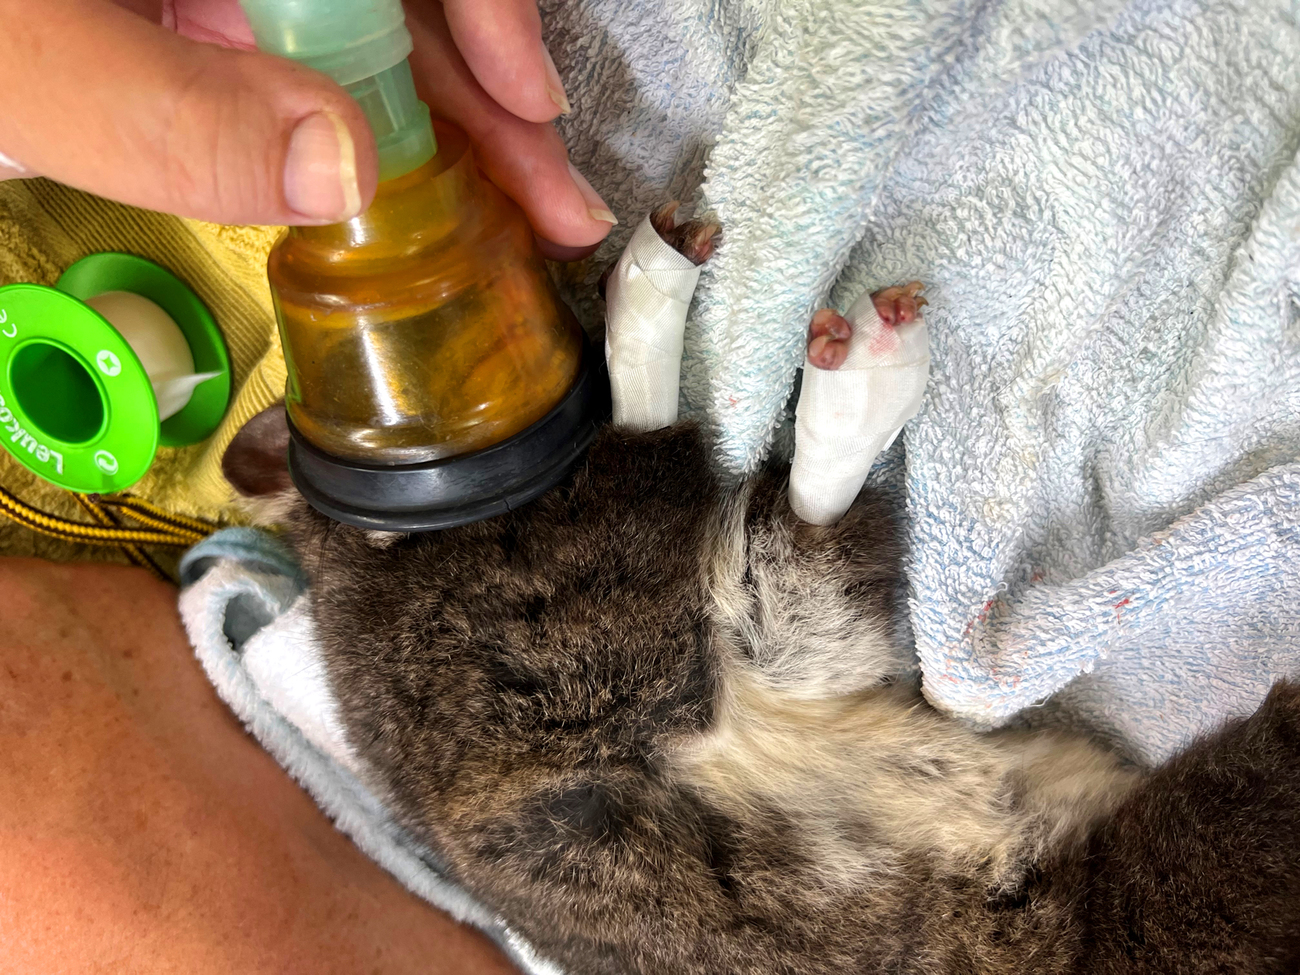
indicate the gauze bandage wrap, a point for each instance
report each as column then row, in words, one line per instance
column 846, row 417
column 646, row 300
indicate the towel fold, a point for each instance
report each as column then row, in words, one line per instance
column 1191, row 627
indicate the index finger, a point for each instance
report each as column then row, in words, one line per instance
column 501, row 42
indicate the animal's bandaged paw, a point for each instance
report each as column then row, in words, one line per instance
column 864, row 377
column 647, row 294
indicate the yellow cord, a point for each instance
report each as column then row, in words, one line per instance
column 161, row 528
column 148, row 513
column 134, row 553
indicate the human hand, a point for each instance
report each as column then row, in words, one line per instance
column 164, row 104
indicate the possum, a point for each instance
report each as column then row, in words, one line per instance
column 664, row 726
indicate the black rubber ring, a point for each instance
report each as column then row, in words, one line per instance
column 463, row 489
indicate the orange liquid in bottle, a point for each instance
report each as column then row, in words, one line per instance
column 426, row 327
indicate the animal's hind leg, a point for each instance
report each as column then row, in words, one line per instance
column 814, row 608
column 863, row 379
column 647, row 293
column 807, row 584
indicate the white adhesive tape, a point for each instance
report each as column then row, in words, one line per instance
column 847, row 416
column 160, row 344
column 646, row 299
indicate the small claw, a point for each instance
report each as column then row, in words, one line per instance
column 827, row 321
column 696, row 240
column 664, row 219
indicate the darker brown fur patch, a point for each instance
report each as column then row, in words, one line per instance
column 255, row 461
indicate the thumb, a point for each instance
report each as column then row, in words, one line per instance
column 98, row 98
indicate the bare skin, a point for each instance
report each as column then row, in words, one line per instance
column 829, row 333
column 141, row 830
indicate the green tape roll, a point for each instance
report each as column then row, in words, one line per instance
column 76, row 405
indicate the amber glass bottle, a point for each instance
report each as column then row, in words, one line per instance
column 427, row 326
column 435, row 377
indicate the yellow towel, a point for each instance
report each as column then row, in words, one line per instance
column 45, row 227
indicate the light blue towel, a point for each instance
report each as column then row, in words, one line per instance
column 1104, row 199
column 1190, row 627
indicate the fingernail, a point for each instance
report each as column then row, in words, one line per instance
column 595, row 205
column 320, row 172
column 10, row 163
column 554, row 86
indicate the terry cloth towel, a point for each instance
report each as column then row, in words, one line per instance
column 1103, row 200
column 1190, row 627
column 245, row 612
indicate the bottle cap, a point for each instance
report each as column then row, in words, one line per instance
column 79, row 400
column 345, row 39
column 363, row 46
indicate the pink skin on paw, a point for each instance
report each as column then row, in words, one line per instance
column 828, row 339
column 829, row 333
column 899, row 305
column 695, row 240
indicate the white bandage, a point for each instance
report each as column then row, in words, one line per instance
column 646, row 299
column 160, row 345
column 847, row 416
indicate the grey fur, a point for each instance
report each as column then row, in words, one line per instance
column 667, row 728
